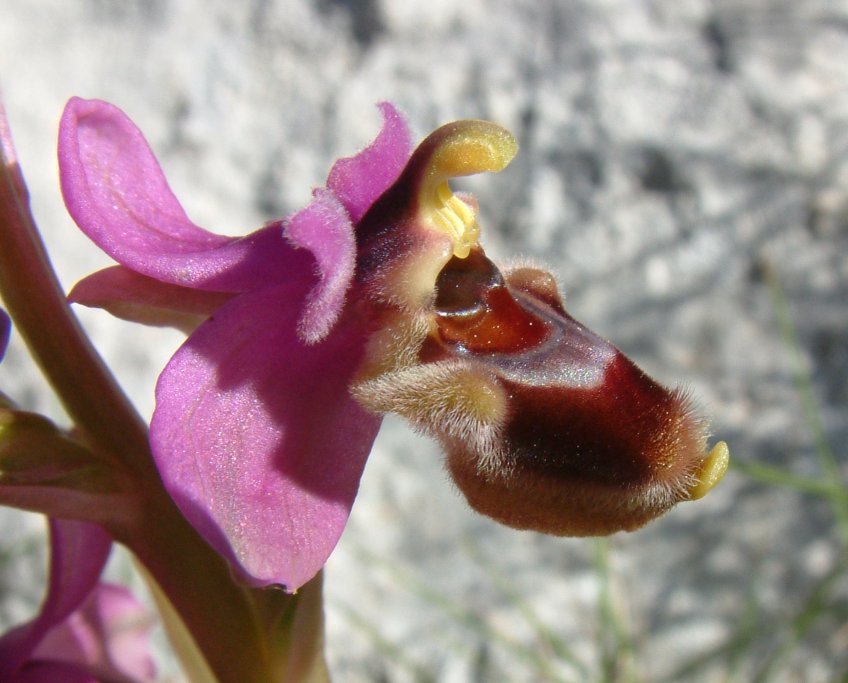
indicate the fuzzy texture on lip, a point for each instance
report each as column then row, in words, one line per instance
column 548, row 427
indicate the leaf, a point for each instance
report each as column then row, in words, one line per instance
column 45, row 470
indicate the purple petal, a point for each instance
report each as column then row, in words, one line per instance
column 257, row 438
column 359, row 180
column 78, row 552
column 131, row 296
column 115, row 191
column 324, row 228
column 107, row 636
column 7, row 147
column 5, row 331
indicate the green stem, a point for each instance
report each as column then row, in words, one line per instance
column 35, row 300
column 295, row 624
column 617, row 649
column 219, row 613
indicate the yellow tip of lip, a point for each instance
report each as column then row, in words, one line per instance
column 712, row 471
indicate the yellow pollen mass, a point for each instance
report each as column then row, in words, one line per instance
column 456, row 218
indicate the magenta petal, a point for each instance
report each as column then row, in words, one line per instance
column 131, row 296
column 78, row 552
column 360, row 179
column 116, row 192
column 5, row 330
column 257, row 438
column 324, row 228
column 108, row 636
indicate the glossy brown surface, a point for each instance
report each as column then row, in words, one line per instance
column 476, row 311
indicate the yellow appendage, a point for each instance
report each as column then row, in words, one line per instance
column 714, row 467
column 462, row 148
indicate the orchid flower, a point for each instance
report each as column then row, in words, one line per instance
column 377, row 297
column 86, row 631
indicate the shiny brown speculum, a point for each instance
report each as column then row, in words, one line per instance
column 478, row 314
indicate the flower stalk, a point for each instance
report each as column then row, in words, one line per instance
column 220, row 613
column 36, row 302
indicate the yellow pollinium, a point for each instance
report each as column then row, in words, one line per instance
column 457, row 219
column 459, row 149
column 712, row 471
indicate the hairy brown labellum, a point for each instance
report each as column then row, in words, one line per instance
column 546, row 425
column 589, row 443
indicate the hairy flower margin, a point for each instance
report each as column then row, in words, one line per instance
column 377, row 297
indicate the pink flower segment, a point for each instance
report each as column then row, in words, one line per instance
column 5, row 329
column 86, row 631
column 254, row 433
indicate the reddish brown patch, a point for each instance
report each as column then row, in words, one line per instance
column 612, row 433
column 590, row 443
column 476, row 311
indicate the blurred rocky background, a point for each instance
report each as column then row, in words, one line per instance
column 683, row 167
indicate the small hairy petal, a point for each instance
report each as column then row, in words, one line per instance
column 131, row 296
column 257, row 438
column 358, row 180
column 116, row 192
column 78, row 552
column 456, row 403
column 324, row 228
